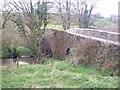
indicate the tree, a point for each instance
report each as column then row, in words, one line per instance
column 80, row 7
column 113, row 18
column 30, row 18
column 10, row 39
column 64, row 9
column 93, row 18
column 6, row 13
column 84, row 13
column 86, row 16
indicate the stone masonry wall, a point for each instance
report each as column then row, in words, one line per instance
column 62, row 41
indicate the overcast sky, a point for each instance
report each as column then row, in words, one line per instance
column 107, row 7
column 104, row 7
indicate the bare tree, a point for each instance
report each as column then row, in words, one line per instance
column 64, row 9
column 10, row 39
column 6, row 13
column 87, row 15
column 80, row 7
column 84, row 13
column 30, row 18
column 93, row 18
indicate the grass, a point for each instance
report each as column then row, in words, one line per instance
column 104, row 24
column 57, row 74
column 54, row 26
column 59, row 27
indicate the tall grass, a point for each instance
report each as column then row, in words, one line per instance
column 57, row 74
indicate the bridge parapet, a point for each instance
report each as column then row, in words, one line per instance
column 105, row 36
column 106, row 48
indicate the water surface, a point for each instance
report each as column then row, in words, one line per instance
column 21, row 61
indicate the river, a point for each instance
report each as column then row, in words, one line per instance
column 21, row 61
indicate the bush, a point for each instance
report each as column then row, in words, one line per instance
column 20, row 50
column 104, row 55
column 84, row 53
column 4, row 54
column 23, row 50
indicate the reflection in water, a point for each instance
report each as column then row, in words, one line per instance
column 21, row 61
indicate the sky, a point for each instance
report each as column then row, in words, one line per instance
column 103, row 7
column 107, row 7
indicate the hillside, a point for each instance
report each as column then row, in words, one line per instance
column 105, row 24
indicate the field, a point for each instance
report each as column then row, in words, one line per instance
column 102, row 24
column 57, row 74
column 105, row 25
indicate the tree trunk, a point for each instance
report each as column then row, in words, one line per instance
column 68, row 15
column 79, row 21
column 38, row 59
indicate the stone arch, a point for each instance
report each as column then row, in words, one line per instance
column 67, row 51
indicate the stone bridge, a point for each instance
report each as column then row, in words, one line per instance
column 61, row 42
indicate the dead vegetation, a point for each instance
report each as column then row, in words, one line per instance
column 83, row 53
column 91, row 52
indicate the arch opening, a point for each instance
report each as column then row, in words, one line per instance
column 68, row 51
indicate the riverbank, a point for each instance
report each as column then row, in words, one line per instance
column 57, row 74
column 22, row 51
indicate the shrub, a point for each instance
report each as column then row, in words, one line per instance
column 87, row 52
column 23, row 50
column 84, row 53
column 5, row 54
